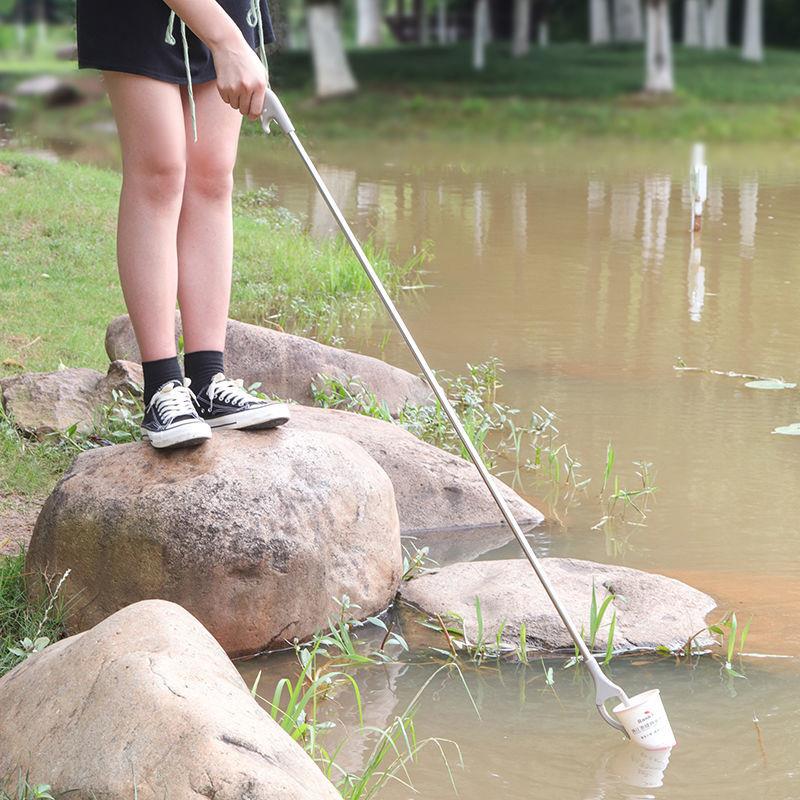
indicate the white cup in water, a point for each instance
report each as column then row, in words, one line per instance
column 645, row 721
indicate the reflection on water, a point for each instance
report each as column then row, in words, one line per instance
column 576, row 267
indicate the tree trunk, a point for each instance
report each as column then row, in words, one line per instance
column 480, row 34
column 424, row 24
column 368, row 13
column 41, row 22
column 721, row 23
column 693, row 23
column 753, row 31
column 658, row 50
column 628, row 21
column 332, row 72
column 521, row 35
column 715, row 19
column 599, row 22
column 280, row 25
column 441, row 22
column 543, row 35
column 19, row 26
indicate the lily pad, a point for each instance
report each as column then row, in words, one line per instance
column 789, row 430
column 770, row 383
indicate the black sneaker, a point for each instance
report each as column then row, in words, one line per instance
column 225, row 403
column 171, row 419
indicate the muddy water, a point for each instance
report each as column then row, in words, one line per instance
column 576, row 268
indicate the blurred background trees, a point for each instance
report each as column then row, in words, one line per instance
column 328, row 28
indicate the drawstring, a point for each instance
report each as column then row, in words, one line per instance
column 254, row 20
column 169, row 38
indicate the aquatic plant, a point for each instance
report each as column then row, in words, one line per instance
column 732, row 641
column 618, row 502
column 396, row 749
column 297, row 704
column 474, row 397
column 416, row 561
column 596, row 616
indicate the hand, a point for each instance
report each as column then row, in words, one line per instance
column 241, row 80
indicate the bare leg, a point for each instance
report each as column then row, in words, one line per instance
column 150, row 122
column 205, row 231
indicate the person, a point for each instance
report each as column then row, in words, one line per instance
column 181, row 75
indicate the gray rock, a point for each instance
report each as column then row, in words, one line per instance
column 434, row 490
column 53, row 91
column 44, row 402
column 652, row 610
column 286, row 365
column 146, row 699
column 254, row 533
column 67, row 52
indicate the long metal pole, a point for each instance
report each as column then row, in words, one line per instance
column 605, row 688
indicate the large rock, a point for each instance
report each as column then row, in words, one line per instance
column 52, row 90
column 146, row 705
column 255, row 533
column 43, row 402
column 434, row 490
column 651, row 610
column 286, row 365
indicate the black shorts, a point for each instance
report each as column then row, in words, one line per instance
column 129, row 36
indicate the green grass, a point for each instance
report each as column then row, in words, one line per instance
column 567, row 91
column 25, row 626
column 58, row 280
column 560, row 72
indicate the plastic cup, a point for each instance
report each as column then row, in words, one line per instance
column 645, row 721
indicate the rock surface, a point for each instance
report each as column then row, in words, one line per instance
column 286, row 365
column 254, row 533
column 434, row 490
column 52, row 90
column 44, row 402
column 148, row 699
column 652, row 610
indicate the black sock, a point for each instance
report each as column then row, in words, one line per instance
column 201, row 366
column 157, row 373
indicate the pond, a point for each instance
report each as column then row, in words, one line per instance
column 575, row 266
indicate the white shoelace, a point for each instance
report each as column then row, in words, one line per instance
column 173, row 401
column 228, row 391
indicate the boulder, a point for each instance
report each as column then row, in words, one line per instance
column 652, row 610
column 286, row 365
column 67, row 52
column 255, row 533
column 146, row 704
column 43, row 402
column 434, row 490
column 53, row 91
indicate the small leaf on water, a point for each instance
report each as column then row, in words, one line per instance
column 789, row 430
column 770, row 383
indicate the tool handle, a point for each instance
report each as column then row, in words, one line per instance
column 275, row 112
column 605, row 689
